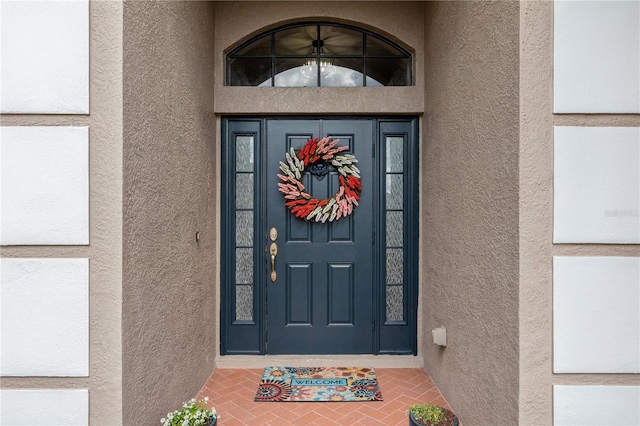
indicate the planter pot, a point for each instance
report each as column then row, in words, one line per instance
column 213, row 422
column 451, row 418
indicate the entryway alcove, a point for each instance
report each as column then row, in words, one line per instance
column 184, row 123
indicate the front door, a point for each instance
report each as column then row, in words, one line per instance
column 295, row 286
column 321, row 299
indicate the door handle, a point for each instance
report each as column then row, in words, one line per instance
column 273, row 250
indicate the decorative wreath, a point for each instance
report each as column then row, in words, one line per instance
column 319, row 152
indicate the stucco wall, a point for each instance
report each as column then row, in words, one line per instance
column 470, row 208
column 537, row 250
column 400, row 21
column 104, row 201
column 169, row 180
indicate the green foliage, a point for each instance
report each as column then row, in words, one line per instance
column 428, row 413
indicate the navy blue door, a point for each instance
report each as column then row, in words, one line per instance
column 344, row 287
column 321, row 301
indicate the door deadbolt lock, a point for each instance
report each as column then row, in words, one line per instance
column 273, row 234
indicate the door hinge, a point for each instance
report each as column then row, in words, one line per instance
column 373, row 324
column 373, row 238
column 373, row 150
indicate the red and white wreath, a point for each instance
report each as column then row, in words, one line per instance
column 301, row 203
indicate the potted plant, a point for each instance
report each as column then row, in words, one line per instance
column 431, row 415
column 192, row 413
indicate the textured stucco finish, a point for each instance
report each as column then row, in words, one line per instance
column 467, row 82
column 537, row 123
column 105, row 220
column 486, row 204
column 470, row 217
column 400, row 21
column 169, row 180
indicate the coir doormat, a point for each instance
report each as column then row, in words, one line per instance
column 318, row 384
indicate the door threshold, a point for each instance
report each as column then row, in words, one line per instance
column 373, row 361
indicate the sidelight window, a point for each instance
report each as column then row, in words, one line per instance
column 244, row 219
column 327, row 54
column 394, row 206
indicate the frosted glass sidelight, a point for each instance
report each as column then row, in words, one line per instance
column 395, row 228
column 395, row 302
column 394, row 192
column 244, row 227
column 244, row 154
column 395, row 154
column 244, row 266
column 244, row 303
column 395, row 266
column 244, row 191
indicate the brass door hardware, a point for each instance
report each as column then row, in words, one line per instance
column 273, row 250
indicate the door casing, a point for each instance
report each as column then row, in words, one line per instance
column 389, row 337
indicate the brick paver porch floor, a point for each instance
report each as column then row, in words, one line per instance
column 231, row 391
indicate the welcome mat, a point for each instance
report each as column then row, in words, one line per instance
column 318, row 384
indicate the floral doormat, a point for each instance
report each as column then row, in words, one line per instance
column 318, row 384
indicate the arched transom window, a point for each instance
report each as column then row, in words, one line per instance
column 319, row 54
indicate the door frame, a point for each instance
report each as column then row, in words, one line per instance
column 249, row 337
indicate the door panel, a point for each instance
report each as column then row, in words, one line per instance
column 322, row 299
